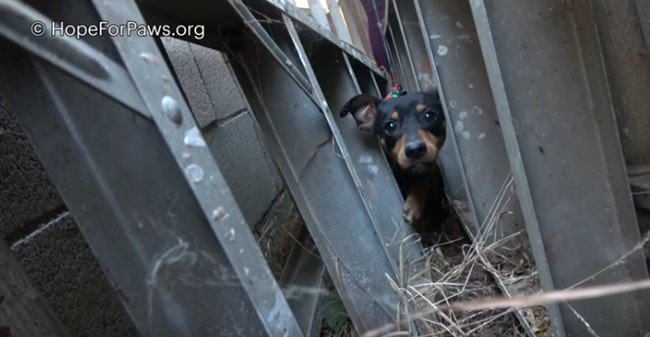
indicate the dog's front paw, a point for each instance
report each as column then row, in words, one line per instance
column 412, row 209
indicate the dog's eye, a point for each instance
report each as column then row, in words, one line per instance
column 429, row 116
column 390, row 127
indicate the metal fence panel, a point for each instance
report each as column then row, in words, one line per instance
column 548, row 81
column 149, row 197
column 322, row 182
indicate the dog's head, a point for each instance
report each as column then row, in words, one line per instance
column 411, row 127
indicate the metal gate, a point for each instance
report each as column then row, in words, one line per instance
column 526, row 97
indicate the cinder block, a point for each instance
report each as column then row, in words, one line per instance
column 26, row 192
column 250, row 173
column 222, row 87
column 190, row 80
column 211, row 91
column 64, row 270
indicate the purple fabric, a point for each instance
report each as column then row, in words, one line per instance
column 375, row 11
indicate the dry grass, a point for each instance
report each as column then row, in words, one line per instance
column 459, row 297
column 347, row 330
column 459, row 270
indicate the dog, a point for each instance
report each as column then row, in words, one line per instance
column 412, row 130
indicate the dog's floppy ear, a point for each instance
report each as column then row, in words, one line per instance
column 364, row 110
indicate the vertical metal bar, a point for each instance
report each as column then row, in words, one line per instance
column 337, row 18
column 321, row 187
column 277, row 53
column 170, row 264
column 643, row 11
column 353, row 21
column 341, row 144
column 476, row 145
column 71, row 55
column 629, row 76
column 408, row 19
column 396, row 63
column 565, row 155
column 374, row 81
column 175, row 122
column 318, row 13
column 321, row 183
column 383, row 210
column 362, row 77
column 407, row 76
column 456, row 164
column 355, row 81
column 407, row 48
column 23, row 311
column 449, row 158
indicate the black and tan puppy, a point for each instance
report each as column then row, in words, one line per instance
column 411, row 128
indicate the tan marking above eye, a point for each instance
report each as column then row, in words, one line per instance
column 420, row 107
column 394, row 115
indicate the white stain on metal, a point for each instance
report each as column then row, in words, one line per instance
column 194, row 173
column 373, row 169
column 460, row 126
column 193, row 138
column 466, row 134
column 150, row 58
column 462, row 114
column 452, row 104
column 442, row 50
column 171, row 255
column 279, row 313
column 459, row 25
column 476, row 110
column 481, row 136
column 231, row 235
column 365, row 159
column 434, row 36
column 426, row 79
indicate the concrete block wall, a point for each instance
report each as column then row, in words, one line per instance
column 227, row 125
column 45, row 238
column 20, row 171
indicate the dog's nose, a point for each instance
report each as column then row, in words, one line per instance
column 415, row 149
